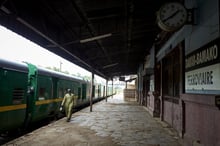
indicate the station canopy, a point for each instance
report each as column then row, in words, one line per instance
column 108, row 37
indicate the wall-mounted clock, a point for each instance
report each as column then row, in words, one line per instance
column 171, row 16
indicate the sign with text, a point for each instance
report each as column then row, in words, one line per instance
column 203, row 80
column 203, row 70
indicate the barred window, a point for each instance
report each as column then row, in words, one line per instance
column 18, row 95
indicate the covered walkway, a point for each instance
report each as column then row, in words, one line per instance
column 112, row 123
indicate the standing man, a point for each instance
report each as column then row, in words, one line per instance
column 68, row 102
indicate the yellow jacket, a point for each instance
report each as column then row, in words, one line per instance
column 69, row 100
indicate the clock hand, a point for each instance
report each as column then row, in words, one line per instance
column 171, row 16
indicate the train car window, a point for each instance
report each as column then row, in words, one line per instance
column 99, row 90
column 60, row 93
column 65, row 91
column 41, row 94
column 18, row 95
column 45, row 88
column 83, row 91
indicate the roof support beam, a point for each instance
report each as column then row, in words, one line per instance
column 56, row 44
column 50, row 40
column 90, row 28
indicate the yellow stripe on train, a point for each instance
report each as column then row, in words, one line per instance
column 23, row 106
column 12, row 107
column 48, row 101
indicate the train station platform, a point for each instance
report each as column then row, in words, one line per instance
column 113, row 123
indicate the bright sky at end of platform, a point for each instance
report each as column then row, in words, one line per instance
column 15, row 47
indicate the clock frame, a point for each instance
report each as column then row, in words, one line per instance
column 171, row 16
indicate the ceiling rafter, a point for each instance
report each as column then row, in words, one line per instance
column 60, row 25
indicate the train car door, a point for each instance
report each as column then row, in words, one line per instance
column 79, row 93
column 31, row 93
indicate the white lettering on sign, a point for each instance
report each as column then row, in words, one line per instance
column 205, row 78
column 203, row 56
column 200, row 78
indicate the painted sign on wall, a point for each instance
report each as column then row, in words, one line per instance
column 203, row 69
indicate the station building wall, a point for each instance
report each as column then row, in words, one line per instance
column 201, row 114
column 191, row 106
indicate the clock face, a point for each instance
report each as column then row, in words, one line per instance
column 172, row 16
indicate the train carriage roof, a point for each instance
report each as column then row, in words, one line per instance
column 13, row 65
column 23, row 67
column 59, row 75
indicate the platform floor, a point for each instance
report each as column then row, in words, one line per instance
column 112, row 123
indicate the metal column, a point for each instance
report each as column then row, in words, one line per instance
column 91, row 93
column 112, row 88
column 106, row 91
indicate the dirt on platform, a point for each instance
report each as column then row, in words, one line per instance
column 65, row 134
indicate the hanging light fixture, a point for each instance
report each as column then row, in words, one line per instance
column 95, row 38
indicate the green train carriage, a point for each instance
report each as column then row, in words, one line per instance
column 52, row 87
column 29, row 94
column 13, row 94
